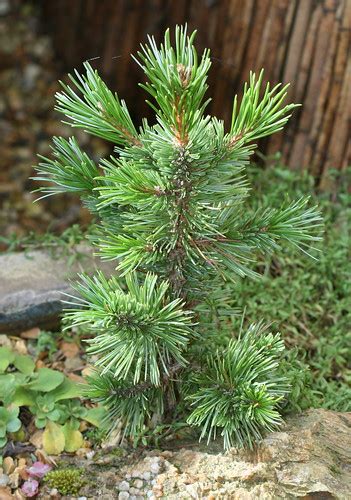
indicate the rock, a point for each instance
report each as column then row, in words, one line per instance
column 310, row 458
column 123, row 495
column 32, row 287
column 5, row 341
column 4, row 480
column 123, row 486
column 5, row 493
column 155, row 468
column 134, row 491
column 8, row 465
column 14, row 479
column 4, row 7
column 138, row 483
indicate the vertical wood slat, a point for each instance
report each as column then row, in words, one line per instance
column 305, row 42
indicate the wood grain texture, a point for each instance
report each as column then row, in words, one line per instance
column 304, row 42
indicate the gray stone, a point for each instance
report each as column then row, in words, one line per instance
column 123, row 486
column 123, row 495
column 134, row 491
column 138, row 483
column 309, row 458
column 155, row 468
column 4, row 7
column 4, row 480
column 33, row 284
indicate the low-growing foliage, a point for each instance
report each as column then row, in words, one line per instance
column 309, row 300
column 50, row 396
column 9, row 422
column 67, row 481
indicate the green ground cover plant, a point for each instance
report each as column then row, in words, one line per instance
column 51, row 398
column 309, row 300
column 175, row 211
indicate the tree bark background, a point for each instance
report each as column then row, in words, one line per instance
column 304, row 42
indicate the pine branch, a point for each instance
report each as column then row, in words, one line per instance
column 177, row 82
column 139, row 331
column 238, row 391
column 255, row 117
column 98, row 110
column 71, row 170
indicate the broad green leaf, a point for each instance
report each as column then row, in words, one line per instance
column 23, row 397
column 14, row 425
column 47, row 380
column 54, row 415
column 95, row 415
column 73, row 438
column 7, row 357
column 40, row 422
column 7, row 386
column 13, row 411
column 67, row 390
column 53, row 439
column 24, row 364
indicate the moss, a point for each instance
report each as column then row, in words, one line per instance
column 66, row 481
column 117, row 452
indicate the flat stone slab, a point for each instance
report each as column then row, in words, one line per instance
column 32, row 286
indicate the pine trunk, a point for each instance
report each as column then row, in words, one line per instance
column 305, row 42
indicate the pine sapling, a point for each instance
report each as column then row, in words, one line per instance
column 173, row 211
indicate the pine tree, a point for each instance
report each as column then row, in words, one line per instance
column 174, row 213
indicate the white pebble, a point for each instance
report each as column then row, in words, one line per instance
column 147, row 476
column 155, row 468
column 134, row 491
column 128, row 476
column 4, row 479
column 123, row 495
column 138, row 483
column 123, row 486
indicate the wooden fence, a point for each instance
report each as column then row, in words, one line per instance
column 304, row 42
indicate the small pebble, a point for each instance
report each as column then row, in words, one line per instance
column 14, row 479
column 90, row 454
column 82, row 498
column 138, row 483
column 155, row 468
column 134, row 491
column 8, row 465
column 4, row 479
column 128, row 476
column 123, row 494
column 147, row 476
column 124, row 486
